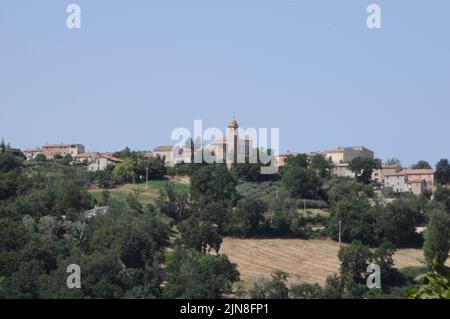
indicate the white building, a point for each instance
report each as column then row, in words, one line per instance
column 342, row 170
column 396, row 181
column 410, row 180
column 173, row 155
column 102, row 162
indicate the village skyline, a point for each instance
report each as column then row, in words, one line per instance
column 86, row 148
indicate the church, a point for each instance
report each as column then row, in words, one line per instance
column 232, row 148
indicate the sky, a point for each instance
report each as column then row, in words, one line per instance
column 136, row 70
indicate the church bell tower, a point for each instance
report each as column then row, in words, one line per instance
column 232, row 142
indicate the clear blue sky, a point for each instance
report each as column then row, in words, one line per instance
column 138, row 69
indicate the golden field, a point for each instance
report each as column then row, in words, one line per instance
column 304, row 260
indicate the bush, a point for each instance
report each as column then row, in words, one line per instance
column 273, row 289
column 306, row 291
column 271, row 191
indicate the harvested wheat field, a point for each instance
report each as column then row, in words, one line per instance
column 304, row 260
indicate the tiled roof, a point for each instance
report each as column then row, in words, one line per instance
column 114, row 159
column 60, row 145
column 420, row 171
column 401, row 173
column 391, row 166
column 88, row 155
column 33, row 150
column 164, row 148
column 413, row 172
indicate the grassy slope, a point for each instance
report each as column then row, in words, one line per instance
column 146, row 193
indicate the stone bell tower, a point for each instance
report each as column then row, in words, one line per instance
column 232, row 142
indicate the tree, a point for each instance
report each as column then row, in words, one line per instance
column 273, row 289
column 340, row 188
column 393, row 161
column 156, row 168
column 10, row 174
column 173, row 203
column 383, row 256
column 333, row 288
column 125, row 153
column 421, row 165
column 212, row 184
column 251, row 172
column 40, row 157
column 363, row 168
column 66, row 160
column 216, row 213
column 9, row 162
column 106, row 195
column 443, row 171
column 247, row 217
column 138, row 239
column 322, row 165
column 306, row 291
column 13, row 235
column 301, row 182
column 66, row 193
column 103, row 276
column 120, row 251
column 357, row 221
column 354, row 261
column 437, row 236
column 442, row 195
column 24, row 283
column 134, row 244
column 299, row 160
column 103, row 178
column 125, row 171
column 436, row 283
column 280, row 222
column 193, row 275
column 201, row 236
column 397, row 222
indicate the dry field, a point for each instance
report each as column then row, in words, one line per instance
column 304, row 260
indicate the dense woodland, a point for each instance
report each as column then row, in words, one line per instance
column 171, row 248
